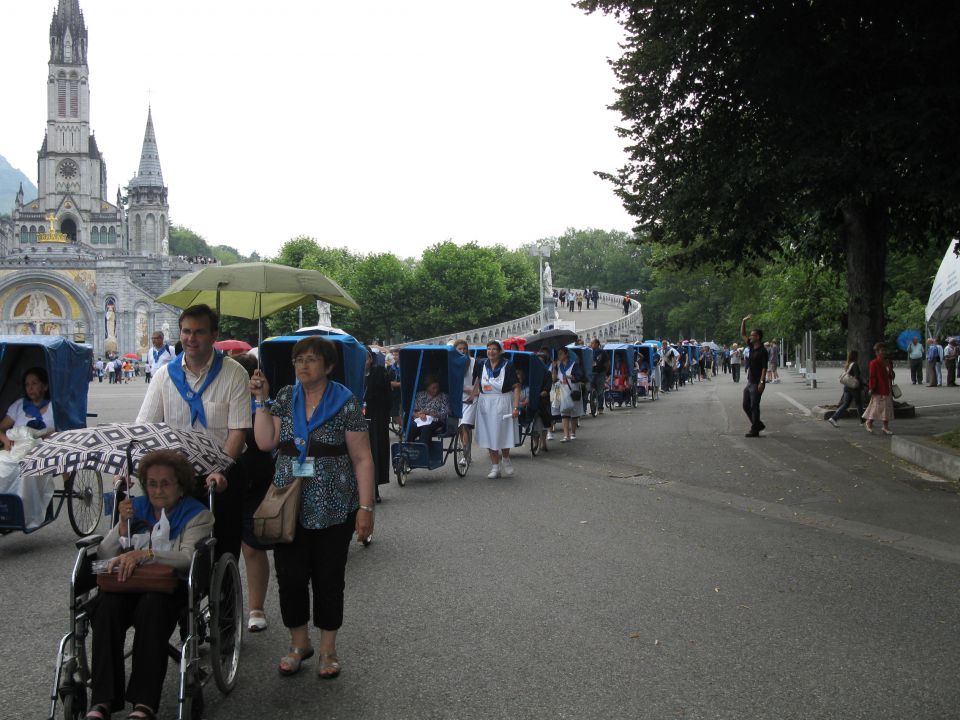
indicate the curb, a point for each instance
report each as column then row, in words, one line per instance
column 929, row 455
column 900, row 412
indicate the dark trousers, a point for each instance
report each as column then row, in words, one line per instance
column 425, row 433
column 932, row 374
column 228, row 514
column 153, row 616
column 316, row 560
column 916, row 371
column 849, row 396
column 751, row 405
column 951, row 371
column 667, row 384
column 735, row 370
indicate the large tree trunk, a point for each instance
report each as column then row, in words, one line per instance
column 866, row 232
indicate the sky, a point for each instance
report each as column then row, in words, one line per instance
column 380, row 126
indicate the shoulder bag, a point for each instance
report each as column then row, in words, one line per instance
column 275, row 520
column 848, row 380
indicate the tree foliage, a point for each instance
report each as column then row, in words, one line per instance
column 827, row 128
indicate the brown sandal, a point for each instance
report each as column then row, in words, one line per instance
column 293, row 660
column 328, row 662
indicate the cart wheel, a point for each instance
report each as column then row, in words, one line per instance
column 226, row 626
column 461, row 458
column 592, row 400
column 633, row 398
column 535, row 443
column 85, row 500
column 402, row 470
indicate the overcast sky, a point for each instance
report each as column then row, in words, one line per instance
column 378, row 125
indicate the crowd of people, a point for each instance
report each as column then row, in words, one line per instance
column 317, row 433
column 573, row 299
column 197, row 259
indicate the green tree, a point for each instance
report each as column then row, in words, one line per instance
column 227, row 255
column 456, row 287
column 523, row 285
column 381, row 284
column 763, row 123
column 184, row 241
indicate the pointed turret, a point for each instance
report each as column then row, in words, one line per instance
column 149, row 174
column 68, row 34
column 147, row 209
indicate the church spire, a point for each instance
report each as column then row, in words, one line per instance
column 149, row 174
column 68, row 34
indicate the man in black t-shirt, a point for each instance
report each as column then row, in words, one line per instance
column 756, row 376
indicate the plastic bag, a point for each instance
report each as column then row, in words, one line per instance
column 35, row 492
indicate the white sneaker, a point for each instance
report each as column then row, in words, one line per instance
column 573, row 436
column 463, row 461
column 506, row 469
column 494, row 472
column 832, row 422
column 549, row 435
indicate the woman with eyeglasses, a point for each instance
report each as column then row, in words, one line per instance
column 317, row 425
column 167, row 479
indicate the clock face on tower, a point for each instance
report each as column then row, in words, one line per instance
column 68, row 169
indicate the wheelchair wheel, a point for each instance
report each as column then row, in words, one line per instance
column 74, row 701
column 633, row 398
column 461, row 456
column 84, row 500
column 592, row 402
column 226, row 624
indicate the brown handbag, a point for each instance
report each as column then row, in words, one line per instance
column 154, row 577
column 275, row 520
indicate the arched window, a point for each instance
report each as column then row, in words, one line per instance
column 24, row 235
column 33, row 233
column 94, row 235
column 113, row 236
column 150, row 241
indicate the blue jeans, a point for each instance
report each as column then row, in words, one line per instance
column 848, row 397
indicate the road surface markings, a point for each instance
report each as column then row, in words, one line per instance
column 802, row 408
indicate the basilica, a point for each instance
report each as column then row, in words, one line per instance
column 73, row 262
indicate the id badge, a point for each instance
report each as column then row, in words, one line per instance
column 488, row 388
column 304, row 469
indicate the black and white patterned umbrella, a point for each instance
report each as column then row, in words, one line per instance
column 104, row 448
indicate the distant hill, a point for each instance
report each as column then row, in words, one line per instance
column 10, row 179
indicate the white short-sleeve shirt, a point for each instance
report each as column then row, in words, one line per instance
column 15, row 412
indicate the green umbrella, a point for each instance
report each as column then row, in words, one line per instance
column 254, row 290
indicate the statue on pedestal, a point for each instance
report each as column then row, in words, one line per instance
column 547, row 280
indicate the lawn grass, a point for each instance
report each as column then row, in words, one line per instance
column 950, row 439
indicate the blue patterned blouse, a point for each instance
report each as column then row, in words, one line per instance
column 331, row 494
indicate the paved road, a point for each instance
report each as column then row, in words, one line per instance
column 660, row 566
column 591, row 318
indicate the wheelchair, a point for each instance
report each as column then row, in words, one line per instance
column 210, row 632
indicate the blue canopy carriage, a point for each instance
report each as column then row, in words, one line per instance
column 69, row 367
column 620, row 388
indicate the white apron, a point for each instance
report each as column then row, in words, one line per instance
column 568, row 406
column 494, row 431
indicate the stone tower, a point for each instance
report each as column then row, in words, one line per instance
column 147, row 208
column 71, row 172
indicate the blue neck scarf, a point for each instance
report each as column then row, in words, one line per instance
column 37, row 423
column 565, row 368
column 495, row 372
column 193, row 398
column 333, row 399
column 158, row 353
column 183, row 512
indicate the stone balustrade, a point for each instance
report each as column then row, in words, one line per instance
column 627, row 327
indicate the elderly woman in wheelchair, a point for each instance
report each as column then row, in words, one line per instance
column 168, row 480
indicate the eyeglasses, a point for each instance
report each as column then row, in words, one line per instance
column 160, row 485
column 305, row 360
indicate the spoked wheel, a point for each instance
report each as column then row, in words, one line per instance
column 84, row 490
column 461, row 455
column 633, row 398
column 592, row 402
column 535, row 443
column 226, row 625
column 402, row 469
